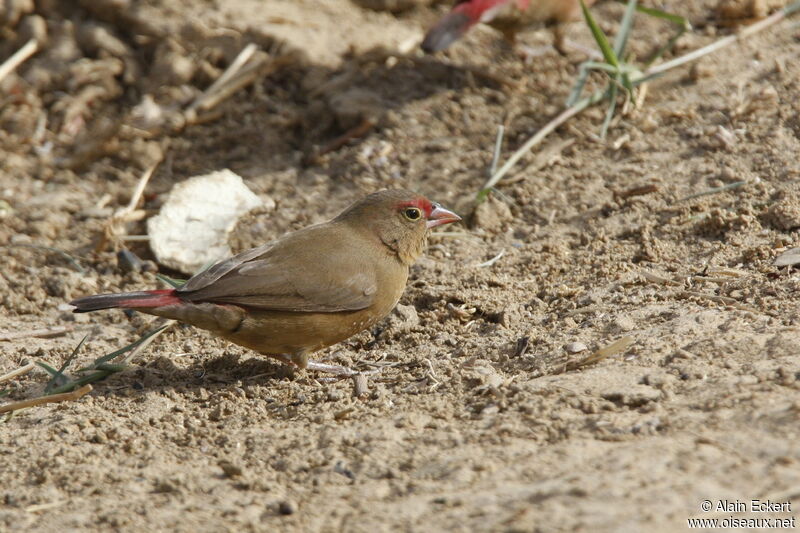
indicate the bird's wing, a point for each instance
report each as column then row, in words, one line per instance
column 313, row 270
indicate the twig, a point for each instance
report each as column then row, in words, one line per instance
column 237, row 64
column 21, row 371
column 53, row 398
column 242, row 80
column 19, row 57
column 139, row 191
column 114, row 226
column 39, row 333
column 236, row 77
column 492, row 261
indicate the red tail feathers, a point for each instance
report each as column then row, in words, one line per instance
column 126, row 300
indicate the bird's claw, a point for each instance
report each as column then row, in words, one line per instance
column 338, row 370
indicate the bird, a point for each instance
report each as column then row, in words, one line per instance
column 508, row 16
column 307, row 290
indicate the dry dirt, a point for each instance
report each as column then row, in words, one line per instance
column 479, row 420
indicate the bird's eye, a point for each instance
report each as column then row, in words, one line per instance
column 412, row 213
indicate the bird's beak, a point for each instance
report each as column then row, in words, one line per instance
column 440, row 216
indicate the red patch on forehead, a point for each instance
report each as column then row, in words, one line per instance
column 420, row 202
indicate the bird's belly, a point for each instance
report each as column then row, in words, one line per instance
column 271, row 332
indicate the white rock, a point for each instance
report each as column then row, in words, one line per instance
column 575, row 347
column 191, row 230
column 788, row 258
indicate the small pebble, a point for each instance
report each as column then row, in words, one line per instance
column 287, row 507
column 575, row 347
column 230, row 469
column 129, row 261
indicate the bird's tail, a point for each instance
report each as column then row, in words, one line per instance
column 143, row 299
column 446, row 31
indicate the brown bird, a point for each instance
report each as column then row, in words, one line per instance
column 508, row 16
column 306, row 290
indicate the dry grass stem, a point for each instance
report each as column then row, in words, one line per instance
column 21, row 371
column 636, row 191
column 655, row 278
column 748, row 31
column 39, row 333
column 710, row 297
column 715, row 190
column 18, row 58
column 583, row 310
column 731, row 272
column 603, row 353
column 44, row 506
column 114, row 229
column 237, row 76
column 545, row 158
column 492, row 261
column 53, row 398
column 235, row 66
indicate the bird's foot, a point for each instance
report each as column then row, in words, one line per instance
column 338, row 370
column 302, row 362
column 528, row 54
column 568, row 44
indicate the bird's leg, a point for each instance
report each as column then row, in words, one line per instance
column 528, row 54
column 563, row 45
column 300, row 360
column 332, row 369
column 560, row 39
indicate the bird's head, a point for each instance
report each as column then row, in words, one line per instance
column 400, row 219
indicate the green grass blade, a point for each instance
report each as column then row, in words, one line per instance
column 108, row 357
column 172, row 282
column 50, row 370
column 111, row 367
column 580, row 84
column 621, row 40
column 612, row 106
column 600, row 37
column 678, row 20
column 80, row 382
column 58, row 379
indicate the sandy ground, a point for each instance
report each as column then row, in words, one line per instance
column 480, row 420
